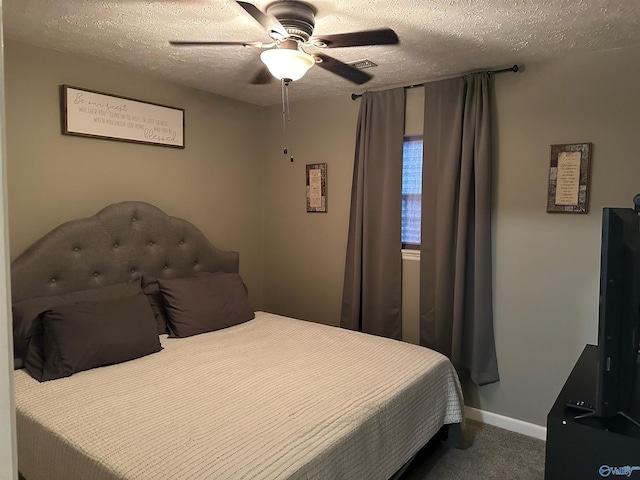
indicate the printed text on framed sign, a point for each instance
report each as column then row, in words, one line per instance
column 88, row 113
column 569, row 178
column 317, row 187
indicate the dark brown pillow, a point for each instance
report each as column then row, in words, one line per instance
column 205, row 302
column 26, row 312
column 152, row 290
column 86, row 335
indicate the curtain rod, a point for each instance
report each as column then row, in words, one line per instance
column 514, row 69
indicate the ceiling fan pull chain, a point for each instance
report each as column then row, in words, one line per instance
column 285, row 115
column 284, row 120
column 286, row 93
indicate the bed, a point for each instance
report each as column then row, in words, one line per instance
column 265, row 397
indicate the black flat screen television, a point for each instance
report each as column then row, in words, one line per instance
column 619, row 313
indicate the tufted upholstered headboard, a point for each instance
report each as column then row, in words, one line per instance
column 121, row 241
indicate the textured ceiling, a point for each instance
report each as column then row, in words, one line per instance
column 438, row 37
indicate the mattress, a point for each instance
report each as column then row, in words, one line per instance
column 273, row 398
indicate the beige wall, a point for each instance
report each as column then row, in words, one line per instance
column 546, row 266
column 8, row 448
column 305, row 252
column 215, row 182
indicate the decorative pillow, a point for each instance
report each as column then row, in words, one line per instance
column 86, row 335
column 205, row 302
column 26, row 312
column 151, row 288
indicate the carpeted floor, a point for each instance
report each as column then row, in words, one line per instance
column 487, row 453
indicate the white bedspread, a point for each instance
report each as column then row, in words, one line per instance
column 274, row 398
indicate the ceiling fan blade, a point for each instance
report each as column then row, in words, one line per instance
column 343, row 70
column 261, row 77
column 384, row 36
column 268, row 22
column 189, row 43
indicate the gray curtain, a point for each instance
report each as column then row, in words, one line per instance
column 372, row 293
column 456, row 312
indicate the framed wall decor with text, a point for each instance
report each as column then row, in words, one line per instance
column 88, row 113
column 569, row 178
column 317, row 187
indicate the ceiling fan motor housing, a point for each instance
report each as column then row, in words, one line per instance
column 290, row 24
column 297, row 18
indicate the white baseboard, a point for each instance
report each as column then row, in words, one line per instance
column 508, row 423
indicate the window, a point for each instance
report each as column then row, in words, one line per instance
column 411, row 191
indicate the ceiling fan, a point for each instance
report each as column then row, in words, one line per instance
column 290, row 25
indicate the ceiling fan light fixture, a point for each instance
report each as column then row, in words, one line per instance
column 284, row 63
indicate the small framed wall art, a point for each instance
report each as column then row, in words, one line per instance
column 569, row 178
column 317, row 187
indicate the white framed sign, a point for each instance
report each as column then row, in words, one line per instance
column 88, row 113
